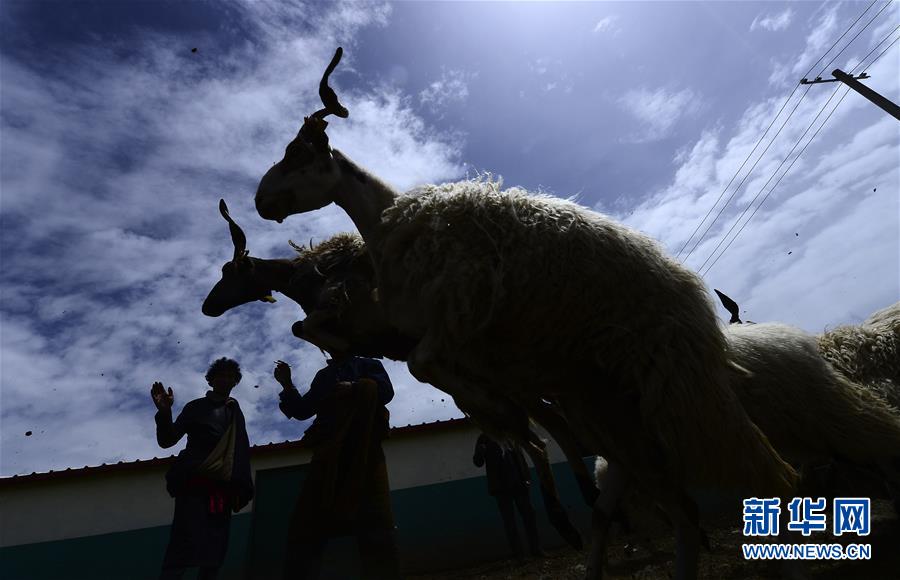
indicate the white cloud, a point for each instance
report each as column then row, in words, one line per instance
column 821, row 36
column 773, row 22
column 452, row 87
column 824, row 249
column 658, row 110
column 542, row 65
column 111, row 238
column 606, row 24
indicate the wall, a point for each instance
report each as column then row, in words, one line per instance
column 113, row 522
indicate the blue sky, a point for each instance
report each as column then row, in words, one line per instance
column 116, row 142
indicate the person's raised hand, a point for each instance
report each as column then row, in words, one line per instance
column 161, row 398
column 283, row 374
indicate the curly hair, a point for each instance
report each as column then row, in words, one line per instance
column 224, row 364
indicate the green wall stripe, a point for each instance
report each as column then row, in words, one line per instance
column 439, row 526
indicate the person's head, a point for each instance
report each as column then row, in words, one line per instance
column 223, row 374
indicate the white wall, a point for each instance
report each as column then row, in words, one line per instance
column 105, row 500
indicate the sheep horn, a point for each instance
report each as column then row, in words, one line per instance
column 237, row 234
column 313, row 130
column 327, row 94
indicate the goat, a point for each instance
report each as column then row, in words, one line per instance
column 333, row 283
column 536, row 298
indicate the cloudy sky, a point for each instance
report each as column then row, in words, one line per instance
column 118, row 139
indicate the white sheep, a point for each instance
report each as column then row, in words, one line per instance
column 525, row 297
column 812, row 414
column 868, row 353
column 332, row 282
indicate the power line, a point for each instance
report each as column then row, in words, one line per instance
column 718, row 199
column 699, row 225
column 861, row 30
column 758, row 159
column 798, row 155
column 876, row 48
column 779, row 179
column 777, row 169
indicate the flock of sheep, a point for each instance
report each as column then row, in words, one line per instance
column 529, row 309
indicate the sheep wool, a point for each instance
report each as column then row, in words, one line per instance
column 809, row 412
column 868, row 353
column 544, row 295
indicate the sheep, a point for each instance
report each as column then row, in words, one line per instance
column 808, row 410
column 532, row 297
column 811, row 413
column 868, row 353
column 332, row 282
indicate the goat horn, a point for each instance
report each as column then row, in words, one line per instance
column 296, row 247
column 313, row 129
column 237, row 234
column 327, row 94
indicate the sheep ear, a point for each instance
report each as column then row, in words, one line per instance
column 730, row 305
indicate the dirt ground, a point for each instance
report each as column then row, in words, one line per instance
column 656, row 561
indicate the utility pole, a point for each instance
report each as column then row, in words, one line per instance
column 853, row 82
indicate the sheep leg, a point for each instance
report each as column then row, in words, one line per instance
column 686, row 518
column 557, row 515
column 615, row 484
column 550, row 419
column 496, row 412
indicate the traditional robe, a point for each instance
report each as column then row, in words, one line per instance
column 209, row 479
column 346, row 490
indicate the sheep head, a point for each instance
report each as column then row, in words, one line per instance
column 333, row 283
column 239, row 283
column 303, row 180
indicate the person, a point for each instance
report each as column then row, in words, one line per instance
column 508, row 482
column 346, row 490
column 211, row 476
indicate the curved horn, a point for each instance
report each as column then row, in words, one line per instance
column 237, row 234
column 327, row 94
column 313, row 129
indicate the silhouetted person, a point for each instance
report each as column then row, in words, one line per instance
column 508, row 480
column 346, row 490
column 210, row 477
